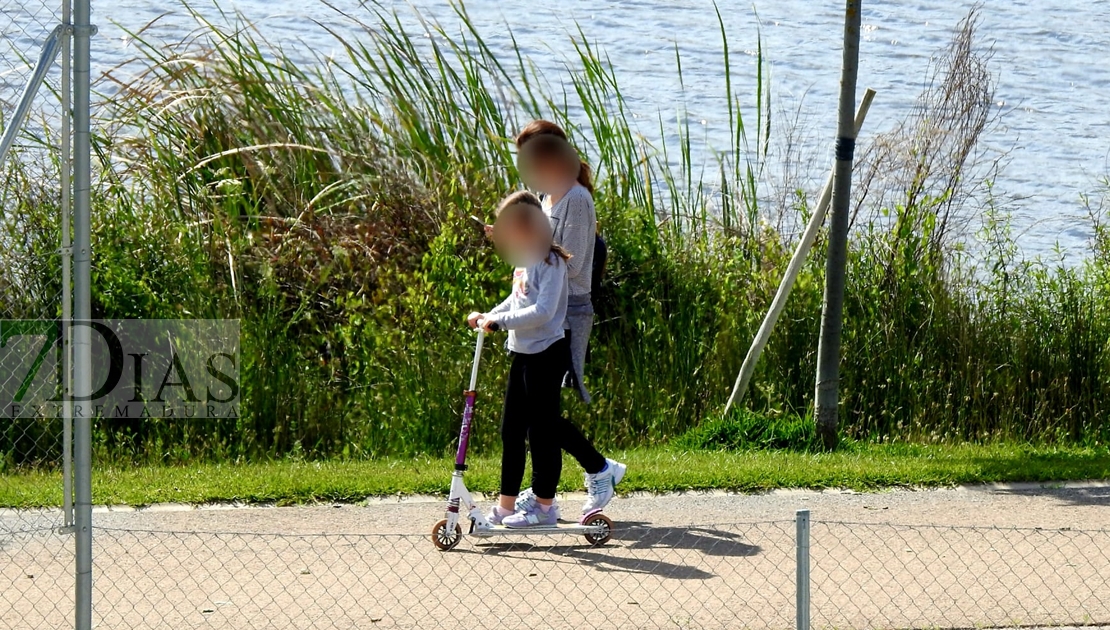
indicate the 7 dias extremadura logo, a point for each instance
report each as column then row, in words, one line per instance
column 139, row 369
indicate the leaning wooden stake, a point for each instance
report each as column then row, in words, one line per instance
column 792, row 270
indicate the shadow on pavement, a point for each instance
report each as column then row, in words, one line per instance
column 675, row 553
column 1095, row 496
column 710, row 541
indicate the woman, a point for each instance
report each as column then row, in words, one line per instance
column 550, row 165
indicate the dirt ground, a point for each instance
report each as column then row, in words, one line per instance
column 961, row 558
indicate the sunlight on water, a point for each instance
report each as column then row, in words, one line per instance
column 1052, row 84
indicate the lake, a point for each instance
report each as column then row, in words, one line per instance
column 1053, row 78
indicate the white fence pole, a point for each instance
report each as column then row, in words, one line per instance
column 803, row 604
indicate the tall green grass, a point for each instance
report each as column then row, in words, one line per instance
column 325, row 205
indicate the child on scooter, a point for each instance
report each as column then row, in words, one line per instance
column 534, row 314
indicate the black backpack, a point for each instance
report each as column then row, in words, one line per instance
column 601, row 256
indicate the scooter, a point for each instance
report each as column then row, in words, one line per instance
column 595, row 527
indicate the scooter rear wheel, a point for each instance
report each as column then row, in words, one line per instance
column 445, row 539
column 606, row 529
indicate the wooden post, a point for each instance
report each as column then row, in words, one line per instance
column 827, row 391
column 792, row 271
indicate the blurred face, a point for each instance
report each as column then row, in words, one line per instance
column 547, row 164
column 522, row 235
column 544, row 176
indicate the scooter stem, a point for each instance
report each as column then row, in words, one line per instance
column 477, row 357
column 468, row 409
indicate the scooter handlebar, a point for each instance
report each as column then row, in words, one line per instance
column 493, row 326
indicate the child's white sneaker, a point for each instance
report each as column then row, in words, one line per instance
column 601, row 486
column 524, row 499
column 497, row 515
column 533, row 516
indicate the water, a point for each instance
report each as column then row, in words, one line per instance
column 1049, row 60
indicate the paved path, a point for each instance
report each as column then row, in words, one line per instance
column 966, row 557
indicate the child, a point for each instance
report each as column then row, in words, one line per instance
column 533, row 314
column 550, row 165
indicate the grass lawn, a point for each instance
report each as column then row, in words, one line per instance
column 866, row 467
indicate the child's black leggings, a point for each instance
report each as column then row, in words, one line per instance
column 531, row 414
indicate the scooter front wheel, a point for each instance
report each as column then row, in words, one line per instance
column 445, row 539
column 605, row 529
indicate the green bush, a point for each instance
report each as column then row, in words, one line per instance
column 746, row 430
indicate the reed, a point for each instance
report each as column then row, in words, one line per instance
column 325, row 206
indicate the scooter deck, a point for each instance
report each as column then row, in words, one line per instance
column 537, row 530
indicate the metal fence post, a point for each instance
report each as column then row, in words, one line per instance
column 802, row 520
column 82, row 256
column 66, row 205
column 26, row 100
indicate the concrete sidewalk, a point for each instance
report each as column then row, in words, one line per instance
column 986, row 556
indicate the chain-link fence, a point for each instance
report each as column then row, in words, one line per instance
column 36, row 571
column 645, row 577
column 771, row 574
column 33, row 192
column 36, row 551
column 896, row 576
column 738, row 575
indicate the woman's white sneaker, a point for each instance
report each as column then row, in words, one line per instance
column 601, row 486
column 618, row 470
